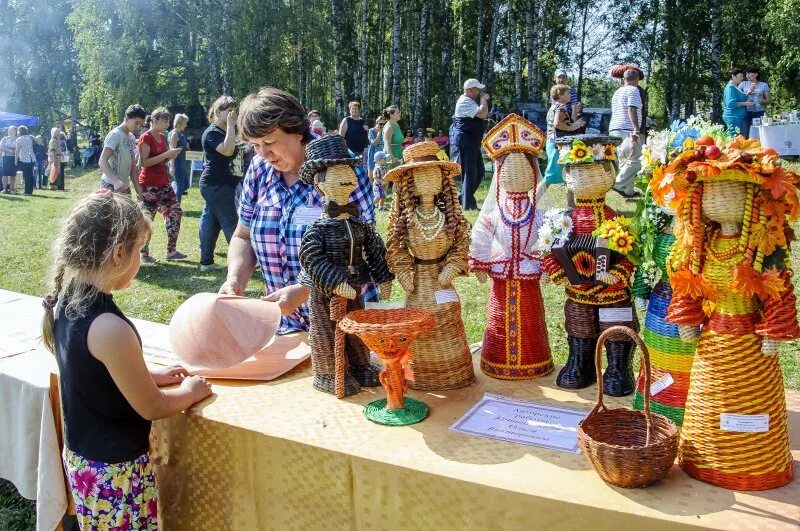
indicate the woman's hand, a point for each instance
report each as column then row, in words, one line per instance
column 168, row 375
column 197, row 386
column 289, row 298
column 231, row 287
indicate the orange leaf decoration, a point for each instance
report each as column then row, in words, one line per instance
column 773, row 284
column 746, row 145
column 778, row 182
column 747, row 281
column 687, row 284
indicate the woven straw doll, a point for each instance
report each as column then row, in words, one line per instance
column 597, row 279
column 428, row 246
column 730, row 272
column 339, row 254
column 515, row 344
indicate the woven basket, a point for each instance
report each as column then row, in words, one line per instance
column 627, row 448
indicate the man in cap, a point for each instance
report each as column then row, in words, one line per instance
column 472, row 109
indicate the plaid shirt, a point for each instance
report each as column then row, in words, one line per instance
column 268, row 207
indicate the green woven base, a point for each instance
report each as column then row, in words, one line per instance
column 414, row 412
column 675, row 414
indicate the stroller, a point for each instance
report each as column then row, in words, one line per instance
column 89, row 156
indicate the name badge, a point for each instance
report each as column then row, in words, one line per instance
column 616, row 315
column 306, row 215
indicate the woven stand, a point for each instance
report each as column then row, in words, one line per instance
column 389, row 333
column 627, row 448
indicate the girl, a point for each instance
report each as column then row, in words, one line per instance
column 109, row 396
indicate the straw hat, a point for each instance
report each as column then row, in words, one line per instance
column 323, row 152
column 421, row 155
column 513, row 133
column 212, row 331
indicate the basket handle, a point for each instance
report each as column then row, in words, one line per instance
column 598, row 363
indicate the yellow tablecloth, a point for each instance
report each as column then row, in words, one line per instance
column 281, row 455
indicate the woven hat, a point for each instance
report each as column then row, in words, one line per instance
column 213, row 331
column 420, row 155
column 513, row 133
column 323, row 152
column 587, row 149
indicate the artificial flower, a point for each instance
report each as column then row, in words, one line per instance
column 622, row 242
column 610, row 152
column 579, row 152
column 597, row 152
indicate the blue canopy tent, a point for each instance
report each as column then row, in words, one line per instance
column 8, row 119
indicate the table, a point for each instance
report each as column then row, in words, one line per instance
column 280, row 455
column 785, row 139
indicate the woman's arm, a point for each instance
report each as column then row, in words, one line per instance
column 387, row 143
column 559, row 122
column 241, row 262
column 376, row 138
column 343, row 127
column 766, row 98
column 112, row 341
column 228, row 146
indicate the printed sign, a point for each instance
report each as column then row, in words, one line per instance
column 616, row 315
column 443, row 296
column 744, row 423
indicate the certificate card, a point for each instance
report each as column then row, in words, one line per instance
column 523, row 422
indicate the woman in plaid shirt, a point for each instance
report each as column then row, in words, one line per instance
column 276, row 207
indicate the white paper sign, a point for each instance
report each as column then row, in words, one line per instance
column 661, row 384
column 616, row 315
column 744, row 423
column 443, row 296
column 523, row 422
column 306, row 215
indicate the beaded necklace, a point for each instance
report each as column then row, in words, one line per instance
column 429, row 225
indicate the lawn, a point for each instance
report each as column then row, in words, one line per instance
column 31, row 223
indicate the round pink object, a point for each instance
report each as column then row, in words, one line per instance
column 212, row 331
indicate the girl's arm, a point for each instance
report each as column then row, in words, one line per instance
column 112, row 341
column 147, row 160
column 560, row 123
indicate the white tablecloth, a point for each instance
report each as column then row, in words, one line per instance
column 785, row 139
column 29, row 455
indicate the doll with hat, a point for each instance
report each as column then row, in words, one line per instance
column 597, row 278
column 428, row 247
column 339, row 254
column 730, row 271
column 515, row 344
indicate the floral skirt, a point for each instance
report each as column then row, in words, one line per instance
column 113, row 496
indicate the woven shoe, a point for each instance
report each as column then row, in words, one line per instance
column 618, row 379
column 579, row 371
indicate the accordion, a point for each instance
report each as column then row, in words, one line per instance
column 582, row 257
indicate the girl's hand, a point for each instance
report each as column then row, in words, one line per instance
column 197, row 386
column 168, row 375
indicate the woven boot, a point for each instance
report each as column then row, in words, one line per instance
column 327, row 384
column 618, row 379
column 367, row 375
column 579, row 370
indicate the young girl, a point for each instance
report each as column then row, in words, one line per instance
column 378, row 176
column 108, row 394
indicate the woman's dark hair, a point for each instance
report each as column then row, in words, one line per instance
column 135, row 111
column 22, row 130
column 388, row 111
column 752, row 70
column 260, row 113
column 736, row 71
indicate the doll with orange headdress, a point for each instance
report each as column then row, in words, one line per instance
column 515, row 344
column 730, row 273
column 427, row 248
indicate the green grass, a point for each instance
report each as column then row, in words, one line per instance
column 31, row 223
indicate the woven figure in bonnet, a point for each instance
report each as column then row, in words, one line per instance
column 730, row 272
column 515, row 345
column 597, row 279
column 339, row 254
column 428, row 246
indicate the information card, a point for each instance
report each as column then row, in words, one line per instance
column 523, row 422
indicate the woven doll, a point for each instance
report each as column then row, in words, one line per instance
column 339, row 254
column 597, row 279
column 428, row 246
column 515, row 344
column 730, row 273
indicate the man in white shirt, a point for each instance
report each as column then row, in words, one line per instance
column 626, row 119
column 465, row 142
column 118, row 158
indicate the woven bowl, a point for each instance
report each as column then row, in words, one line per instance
column 627, row 448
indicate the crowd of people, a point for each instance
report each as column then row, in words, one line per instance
column 744, row 100
column 41, row 164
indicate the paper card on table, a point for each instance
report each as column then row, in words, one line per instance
column 306, row 215
column 391, row 305
column 616, row 315
column 523, row 422
column 744, row 423
column 661, row 384
column 443, row 296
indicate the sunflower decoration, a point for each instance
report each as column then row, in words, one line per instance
column 621, row 238
column 578, row 153
column 609, row 152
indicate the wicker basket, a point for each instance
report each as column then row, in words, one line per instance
column 627, row 448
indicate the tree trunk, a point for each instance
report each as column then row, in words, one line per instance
column 515, row 53
column 582, row 55
column 363, row 62
column 447, row 69
column 490, row 56
column 338, row 67
column 653, row 39
column 479, row 40
column 394, row 96
column 716, row 75
column 531, row 22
